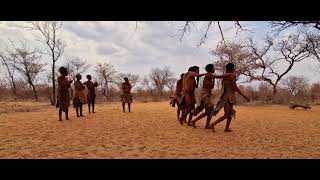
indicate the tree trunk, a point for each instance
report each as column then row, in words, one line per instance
column 13, row 86
column 34, row 91
column 53, row 84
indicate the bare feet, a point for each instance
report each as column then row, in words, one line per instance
column 212, row 127
column 67, row 119
column 227, row 130
column 181, row 121
column 60, row 119
column 78, row 116
column 207, row 127
column 193, row 124
column 81, row 115
column 93, row 112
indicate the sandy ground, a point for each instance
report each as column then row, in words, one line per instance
column 152, row 131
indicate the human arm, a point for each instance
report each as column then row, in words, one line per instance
column 240, row 92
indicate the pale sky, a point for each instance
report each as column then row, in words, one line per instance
column 153, row 44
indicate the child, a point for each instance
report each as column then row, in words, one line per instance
column 228, row 98
column 91, row 97
column 79, row 98
column 126, row 94
column 189, row 85
column 177, row 99
column 63, row 100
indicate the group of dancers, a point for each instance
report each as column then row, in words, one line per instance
column 184, row 95
column 80, row 97
column 186, row 101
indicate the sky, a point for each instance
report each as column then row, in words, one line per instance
column 152, row 44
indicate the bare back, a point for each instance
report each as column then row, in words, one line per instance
column 189, row 82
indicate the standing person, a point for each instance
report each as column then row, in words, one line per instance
column 178, row 96
column 228, row 98
column 79, row 97
column 91, row 97
column 63, row 100
column 189, row 86
column 126, row 96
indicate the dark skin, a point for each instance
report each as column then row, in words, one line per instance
column 79, row 107
column 188, row 83
column 92, row 103
column 123, row 103
column 181, row 106
column 64, row 74
column 208, row 111
column 228, row 108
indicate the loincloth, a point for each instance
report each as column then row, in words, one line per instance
column 91, row 96
column 206, row 102
column 126, row 98
column 192, row 96
column 63, row 100
column 222, row 102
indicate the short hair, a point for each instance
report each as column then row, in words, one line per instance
column 62, row 70
column 230, row 67
column 193, row 68
column 209, row 67
column 89, row 77
column 126, row 78
column 78, row 76
column 182, row 75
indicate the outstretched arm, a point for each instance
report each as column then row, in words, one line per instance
column 222, row 76
column 200, row 75
column 239, row 91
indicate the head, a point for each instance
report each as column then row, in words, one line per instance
column 209, row 68
column 182, row 75
column 126, row 79
column 197, row 69
column 78, row 76
column 89, row 77
column 230, row 67
column 63, row 71
column 194, row 69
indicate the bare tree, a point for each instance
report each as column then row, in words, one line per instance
column 160, row 78
column 76, row 65
column 28, row 64
column 106, row 74
column 312, row 43
column 232, row 52
column 279, row 26
column 146, row 82
column 171, row 84
column 186, row 29
column 9, row 65
column 48, row 31
column 296, row 85
column 260, row 63
column 133, row 79
column 310, row 29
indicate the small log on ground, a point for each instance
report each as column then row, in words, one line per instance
column 294, row 106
